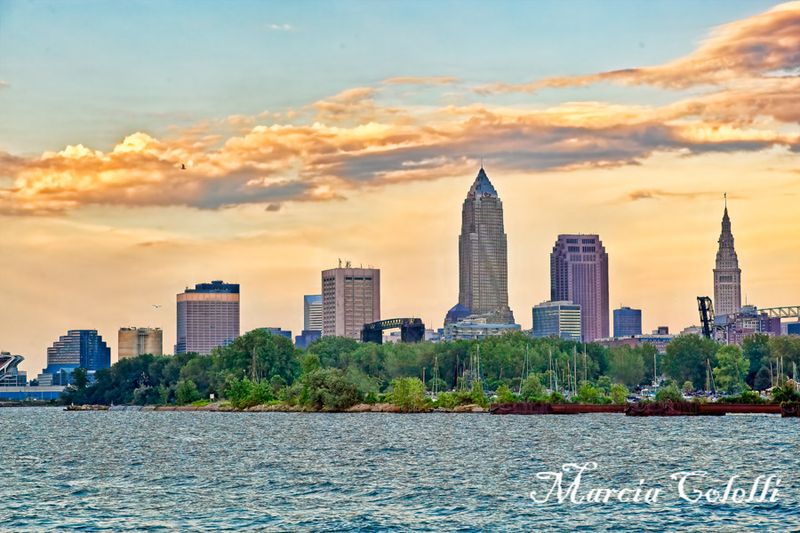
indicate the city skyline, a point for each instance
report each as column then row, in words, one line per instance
column 97, row 233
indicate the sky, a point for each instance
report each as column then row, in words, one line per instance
column 314, row 131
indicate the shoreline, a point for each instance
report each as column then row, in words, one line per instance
column 225, row 408
column 527, row 409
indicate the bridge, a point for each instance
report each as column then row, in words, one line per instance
column 791, row 311
column 411, row 330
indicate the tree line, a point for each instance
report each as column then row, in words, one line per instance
column 335, row 372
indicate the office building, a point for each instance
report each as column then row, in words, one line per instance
column 306, row 337
column 208, row 317
column 579, row 274
column 312, row 312
column 278, row 331
column 351, row 297
column 557, row 319
column 627, row 322
column 133, row 342
column 483, row 256
column 79, row 348
column 793, row 328
column 727, row 274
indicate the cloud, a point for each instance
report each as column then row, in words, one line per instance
column 767, row 44
column 4, row 84
column 657, row 194
column 280, row 27
column 354, row 140
column 421, row 80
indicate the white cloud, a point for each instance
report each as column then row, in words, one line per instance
column 281, row 27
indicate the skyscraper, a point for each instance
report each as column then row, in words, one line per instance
column 482, row 255
column 208, row 316
column 351, row 297
column 133, row 342
column 579, row 274
column 727, row 274
column 627, row 322
column 557, row 319
column 312, row 312
column 79, row 348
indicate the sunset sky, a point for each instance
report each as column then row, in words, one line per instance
column 313, row 131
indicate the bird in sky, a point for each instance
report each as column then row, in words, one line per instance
column 156, row 306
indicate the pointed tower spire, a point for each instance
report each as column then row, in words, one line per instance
column 727, row 274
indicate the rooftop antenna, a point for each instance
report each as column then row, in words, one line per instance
column 725, row 197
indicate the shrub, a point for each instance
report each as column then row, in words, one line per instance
column 748, row 396
column 669, row 393
column 619, row 394
column 244, row 393
column 329, row 389
column 532, row 390
column 785, row 393
column 408, row 394
column 504, row 395
column 186, row 392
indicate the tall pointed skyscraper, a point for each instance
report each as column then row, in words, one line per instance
column 483, row 256
column 727, row 274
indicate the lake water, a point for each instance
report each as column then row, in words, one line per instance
column 289, row 471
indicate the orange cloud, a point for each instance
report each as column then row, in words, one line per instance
column 763, row 45
column 351, row 140
column 421, row 80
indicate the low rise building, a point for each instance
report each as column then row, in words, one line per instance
column 476, row 328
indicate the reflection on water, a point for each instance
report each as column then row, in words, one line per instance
column 184, row 470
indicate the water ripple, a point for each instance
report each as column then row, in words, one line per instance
column 166, row 471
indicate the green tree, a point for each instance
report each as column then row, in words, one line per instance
column 244, row 393
column 477, row 395
column 259, row 355
column 731, row 370
column 688, row 357
column 669, row 393
column 619, row 394
column 588, row 393
column 80, row 378
column 329, row 389
column 650, row 357
column 756, row 350
column 333, row 351
column 186, row 392
column 688, row 387
column 408, row 394
column 504, row 395
column 763, row 379
column 625, row 365
column 532, row 390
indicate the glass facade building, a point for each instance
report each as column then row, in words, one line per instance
column 483, row 254
column 312, row 312
column 79, row 348
column 627, row 322
column 208, row 317
column 557, row 319
column 579, row 274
